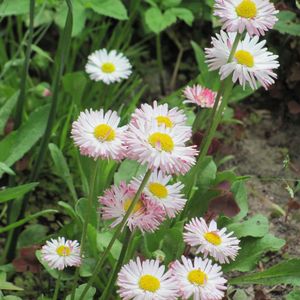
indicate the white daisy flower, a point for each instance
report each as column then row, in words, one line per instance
column 146, row 281
column 97, row 134
column 211, row 241
column 256, row 16
column 160, row 147
column 166, row 195
column 108, row 67
column 200, row 279
column 61, row 253
column 251, row 61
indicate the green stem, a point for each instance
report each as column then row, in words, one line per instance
column 21, row 98
column 85, row 224
column 160, row 63
column 126, row 243
column 116, row 234
column 223, row 93
column 57, row 285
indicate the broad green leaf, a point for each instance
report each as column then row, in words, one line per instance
column 127, row 170
column 6, row 109
column 33, row 234
column 287, row 23
column 207, row 173
column 286, row 272
column 53, row 272
column 251, row 251
column 81, row 208
column 183, row 14
column 62, row 169
column 24, row 138
column 110, row 8
column 169, row 18
column 16, row 192
column 103, row 239
column 6, row 169
column 10, row 297
column 4, row 285
column 294, row 295
column 89, row 295
column 240, row 295
column 170, row 3
column 256, row 226
column 154, row 19
column 240, row 195
column 238, row 93
column 12, row 8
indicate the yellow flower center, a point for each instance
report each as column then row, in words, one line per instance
column 158, row 190
column 108, row 67
column 104, row 132
column 63, row 251
column 246, row 9
column 136, row 208
column 213, row 238
column 149, row 283
column 197, row 277
column 244, row 58
column 161, row 141
column 163, row 120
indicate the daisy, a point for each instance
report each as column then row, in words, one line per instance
column 200, row 96
column 210, row 240
column 97, row 134
column 108, row 67
column 251, row 61
column 167, row 195
column 256, row 16
column 200, row 279
column 146, row 280
column 160, row 147
column 162, row 115
column 61, row 253
column 146, row 215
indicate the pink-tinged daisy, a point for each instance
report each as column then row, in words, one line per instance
column 200, row 279
column 108, row 67
column 61, row 253
column 200, row 96
column 167, row 195
column 146, row 215
column 160, row 147
column 97, row 134
column 211, row 241
column 256, row 16
column 251, row 62
column 146, row 281
column 162, row 115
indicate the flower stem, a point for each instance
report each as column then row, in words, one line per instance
column 85, row 224
column 160, row 63
column 57, row 285
column 108, row 290
column 216, row 115
column 116, row 234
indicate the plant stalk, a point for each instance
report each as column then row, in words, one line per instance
column 116, row 234
column 57, row 285
column 160, row 63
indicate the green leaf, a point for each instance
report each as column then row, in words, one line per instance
column 4, row 285
column 256, row 226
column 127, row 170
column 33, row 234
column 6, row 110
column 62, row 169
column 294, row 295
column 287, row 23
column 154, row 19
column 103, row 239
column 6, row 169
column 24, row 138
column 238, row 93
column 10, row 297
column 240, row 195
column 171, row 3
column 200, row 58
column 81, row 208
column 183, row 14
column 110, row 8
column 12, row 8
column 251, row 251
column 88, row 296
column 286, row 272
column 68, row 208
column 207, row 173
column 16, row 192
column 53, row 272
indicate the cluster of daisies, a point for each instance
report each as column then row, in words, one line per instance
column 200, row 278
